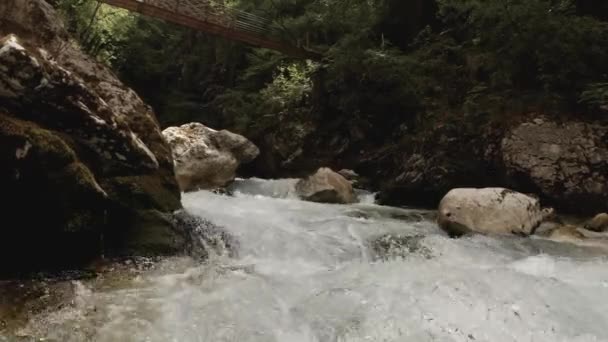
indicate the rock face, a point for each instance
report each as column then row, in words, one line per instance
column 566, row 163
column 489, row 211
column 599, row 223
column 562, row 158
column 83, row 165
column 206, row 158
column 326, row 186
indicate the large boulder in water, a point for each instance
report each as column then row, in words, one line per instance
column 206, row 158
column 563, row 162
column 326, row 186
column 84, row 167
column 489, row 210
column 599, row 223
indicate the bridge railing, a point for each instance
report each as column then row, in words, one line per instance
column 217, row 13
column 215, row 17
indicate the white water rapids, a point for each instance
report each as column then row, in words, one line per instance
column 309, row 272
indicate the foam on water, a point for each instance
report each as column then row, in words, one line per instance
column 306, row 272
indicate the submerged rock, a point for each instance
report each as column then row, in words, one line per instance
column 599, row 223
column 82, row 159
column 204, row 237
column 566, row 233
column 489, row 210
column 206, row 158
column 391, row 246
column 326, row 186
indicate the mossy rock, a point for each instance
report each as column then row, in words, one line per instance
column 46, row 148
column 54, row 208
column 143, row 233
column 151, row 191
column 40, row 167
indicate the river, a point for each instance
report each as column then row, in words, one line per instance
column 304, row 272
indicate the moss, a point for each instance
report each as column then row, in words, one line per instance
column 153, row 191
column 74, row 206
column 84, row 178
column 79, row 220
column 47, row 147
column 50, row 179
column 83, row 199
column 143, row 232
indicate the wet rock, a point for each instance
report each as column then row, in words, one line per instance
column 564, row 162
column 391, row 246
column 566, row 233
column 326, row 186
column 206, row 158
column 546, row 227
column 599, row 223
column 561, row 232
column 358, row 214
column 489, row 210
column 223, row 191
column 204, row 237
column 349, row 175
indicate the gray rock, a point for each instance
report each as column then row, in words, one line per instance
column 599, row 223
column 566, row 233
column 489, row 210
column 206, row 158
column 567, row 162
column 350, row 175
column 326, row 186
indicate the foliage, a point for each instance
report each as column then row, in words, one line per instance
column 101, row 29
column 596, row 96
column 387, row 62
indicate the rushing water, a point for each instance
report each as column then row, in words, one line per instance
column 314, row 272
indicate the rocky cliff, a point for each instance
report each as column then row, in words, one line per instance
column 84, row 167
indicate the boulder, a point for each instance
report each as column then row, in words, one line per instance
column 326, row 186
column 206, row 158
column 566, row 233
column 350, row 175
column 489, row 211
column 563, row 162
column 598, row 224
column 82, row 158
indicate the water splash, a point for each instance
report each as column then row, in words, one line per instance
column 314, row 272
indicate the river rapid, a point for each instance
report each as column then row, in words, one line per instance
column 308, row 272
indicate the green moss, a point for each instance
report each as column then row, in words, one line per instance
column 145, row 232
column 47, row 147
column 154, row 191
column 79, row 221
column 84, row 178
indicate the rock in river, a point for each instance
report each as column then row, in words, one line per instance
column 489, row 210
column 206, row 158
column 326, row 186
column 599, row 223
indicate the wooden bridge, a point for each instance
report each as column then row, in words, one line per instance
column 216, row 18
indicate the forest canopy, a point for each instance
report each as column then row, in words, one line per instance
column 386, row 60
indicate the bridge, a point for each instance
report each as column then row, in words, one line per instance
column 218, row 19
